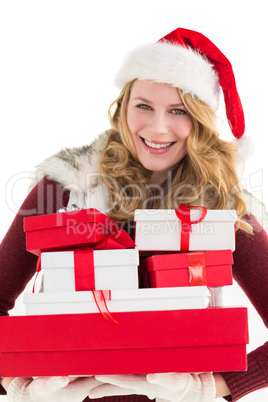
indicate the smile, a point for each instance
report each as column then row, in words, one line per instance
column 157, row 145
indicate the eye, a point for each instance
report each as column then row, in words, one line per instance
column 178, row 111
column 143, row 106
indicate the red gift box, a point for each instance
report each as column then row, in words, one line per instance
column 142, row 342
column 85, row 227
column 211, row 268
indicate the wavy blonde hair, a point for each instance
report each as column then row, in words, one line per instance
column 205, row 176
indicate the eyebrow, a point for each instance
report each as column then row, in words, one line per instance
column 148, row 101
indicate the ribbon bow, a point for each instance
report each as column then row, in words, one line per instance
column 116, row 240
column 184, row 214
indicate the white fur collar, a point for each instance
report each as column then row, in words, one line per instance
column 77, row 170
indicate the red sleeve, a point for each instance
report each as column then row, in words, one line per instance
column 250, row 270
column 17, row 266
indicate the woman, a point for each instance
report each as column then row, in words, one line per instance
column 162, row 149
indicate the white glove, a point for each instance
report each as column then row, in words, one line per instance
column 52, row 389
column 177, row 387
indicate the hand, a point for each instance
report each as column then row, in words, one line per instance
column 184, row 387
column 52, row 389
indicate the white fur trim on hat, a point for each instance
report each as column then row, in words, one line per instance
column 172, row 64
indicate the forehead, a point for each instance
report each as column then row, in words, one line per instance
column 155, row 92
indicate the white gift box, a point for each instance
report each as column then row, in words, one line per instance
column 181, row 298
column 113, row 269
column 160, row 229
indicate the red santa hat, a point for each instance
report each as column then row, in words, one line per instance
column 187, row 60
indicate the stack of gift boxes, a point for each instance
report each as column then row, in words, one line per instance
column 93, row 317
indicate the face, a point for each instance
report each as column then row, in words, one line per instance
column 159, row 126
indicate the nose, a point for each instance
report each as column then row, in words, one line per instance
column 158, row 123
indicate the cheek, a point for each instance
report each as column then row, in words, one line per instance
column 184, row 130
column 189, row 127
column 130, row 122
column 135, row 121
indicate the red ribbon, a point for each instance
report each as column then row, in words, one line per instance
column 84, row 258
column 85, row 280
column 197, row 269
column 100, row 297
column 84, row 269
column 117, row 240
column 184, row 214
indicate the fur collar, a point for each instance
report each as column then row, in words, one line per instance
column 74, row 168
column 77, row 170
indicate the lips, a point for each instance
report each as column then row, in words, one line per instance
column 157, row 145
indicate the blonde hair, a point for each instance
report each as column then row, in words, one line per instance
column 205, row 176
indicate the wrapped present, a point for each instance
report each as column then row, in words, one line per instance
column 85, row 227
column 117, row 301
column 184, row 229
column 210, row 268
column 143, row 342
column 88, row 269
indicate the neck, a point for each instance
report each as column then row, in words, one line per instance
column 159, row 178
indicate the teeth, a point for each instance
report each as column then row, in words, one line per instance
column 156, row 146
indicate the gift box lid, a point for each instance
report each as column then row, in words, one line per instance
column 70, row 218
column 65, row 259
column 128, row 294
column 213, row 215
column 130, row 300
column 161, row 329
column 180, row 260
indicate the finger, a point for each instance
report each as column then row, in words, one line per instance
column 72, row 378
column 84, row 383
column 18, row 386
column 22, row 381
column 138, row 383
column 168, row 380
column 54, row 383
column 109, row 390
column 125, row 380
column 47, row 385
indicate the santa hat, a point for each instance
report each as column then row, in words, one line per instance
column 187, row 60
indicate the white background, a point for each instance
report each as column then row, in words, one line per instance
column 57, row 63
